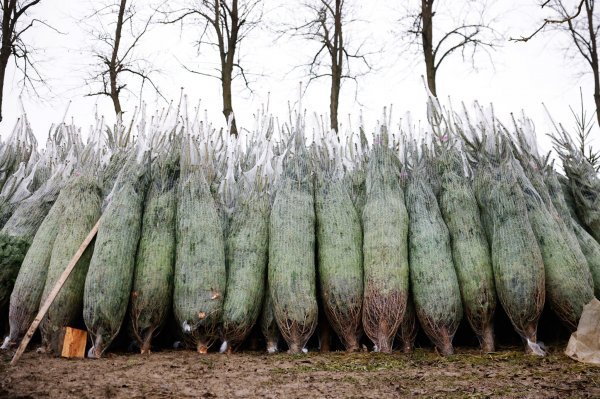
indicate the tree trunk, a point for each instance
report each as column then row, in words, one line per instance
column 228, row 59
column 113, row 68
column 6, row 49
column 324, row 334
column 596, row 100
column 114, row 94
column 228, row 99
column 597, row 90
column 3, row 64
column 594, row 57
column 334, row 97
column 427, row 41
column 337, row 65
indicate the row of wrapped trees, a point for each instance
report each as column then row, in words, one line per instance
column 372, row 235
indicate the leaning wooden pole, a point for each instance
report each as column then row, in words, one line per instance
column 55, row 290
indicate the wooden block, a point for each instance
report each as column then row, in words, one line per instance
column 74, row 343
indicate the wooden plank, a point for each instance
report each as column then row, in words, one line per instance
column 55, row 290
column 74, row 343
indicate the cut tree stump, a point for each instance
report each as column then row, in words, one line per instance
column 74, row 343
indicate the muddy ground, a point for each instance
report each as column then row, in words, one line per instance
column 508, row 373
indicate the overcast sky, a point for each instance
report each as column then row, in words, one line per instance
column 522, row 76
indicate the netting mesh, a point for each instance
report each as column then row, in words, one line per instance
column 470, row 250
column 568, row 286
column 29, row 285
column 292, row 268
column 200, row 274
column 111, row 268
column 516, row 257
column 385, row 247
column 247, row 251
column 268, row 324
column 433, row 279
column 583, row 182
column 81, row 212
column 407, row 333
column 245, row 193
column 339, row 239
column 153, row 278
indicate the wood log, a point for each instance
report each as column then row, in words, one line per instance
column 74, row 343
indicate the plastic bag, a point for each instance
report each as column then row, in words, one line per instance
column 584, row 345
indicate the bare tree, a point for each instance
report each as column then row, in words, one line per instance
column 224, row 25
column 469, row 34
column 115, row 51
column 14, row 25
column 334, row 56
column 581, row 23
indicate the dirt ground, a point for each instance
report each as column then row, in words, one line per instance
column 508, row 373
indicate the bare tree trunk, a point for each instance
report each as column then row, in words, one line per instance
column 594, row 58
column 228, row 98
column 597, row 89
column 113, row 67
column 3, row 64
column 337, row 63
column 230, row 22
column 5, row 50
column 324, row 333
column 597, row 98
column 427, row 41
column 334, row 98
column 228, row 60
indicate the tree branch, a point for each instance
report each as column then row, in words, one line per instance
column 550, row 21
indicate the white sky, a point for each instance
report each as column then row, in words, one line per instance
column 522, row 77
